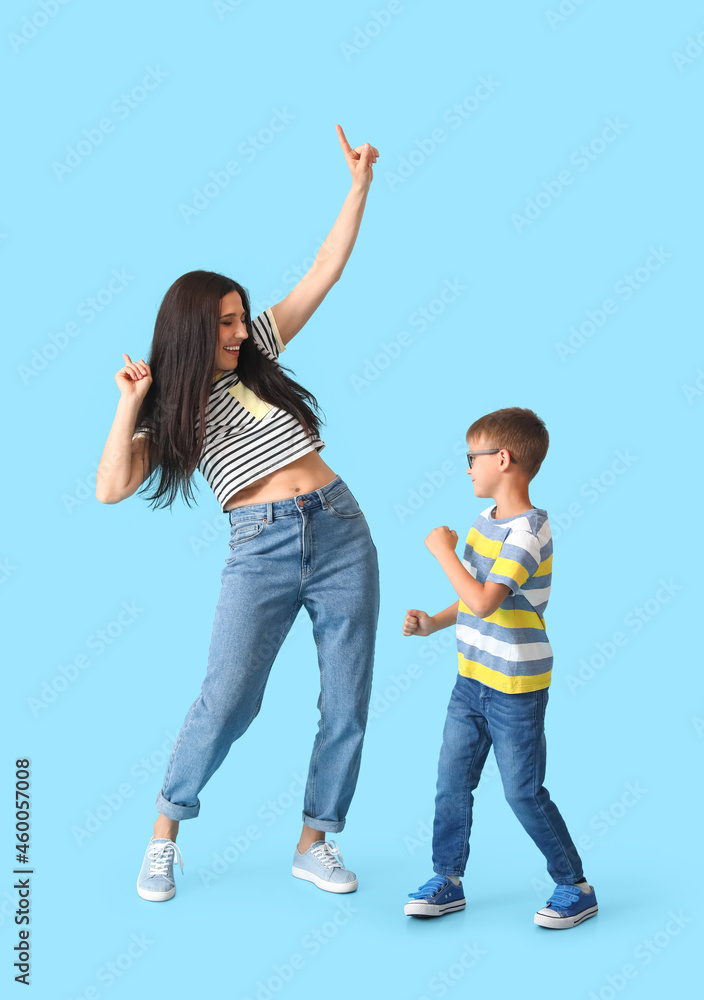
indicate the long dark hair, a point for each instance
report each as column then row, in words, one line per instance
column 182, row 362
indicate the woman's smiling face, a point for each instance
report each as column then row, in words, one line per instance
column 232, row 331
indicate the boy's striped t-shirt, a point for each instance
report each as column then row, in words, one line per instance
column 509, row 650
column 246, row 437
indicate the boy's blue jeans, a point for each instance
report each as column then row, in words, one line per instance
column 478, row 716
column 313, row 550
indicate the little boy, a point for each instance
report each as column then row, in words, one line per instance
column 505, row 663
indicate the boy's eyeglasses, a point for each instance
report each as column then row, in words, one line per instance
column 486, row 451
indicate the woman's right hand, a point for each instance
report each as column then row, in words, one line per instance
column 135, row 378
column 418, row 623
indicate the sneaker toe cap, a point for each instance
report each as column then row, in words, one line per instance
column 342, row 876
column 155, row 883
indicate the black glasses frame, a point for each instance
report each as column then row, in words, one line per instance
column 486, row 451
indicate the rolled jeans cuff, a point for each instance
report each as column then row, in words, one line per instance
column 327, row 825
column 173, row 811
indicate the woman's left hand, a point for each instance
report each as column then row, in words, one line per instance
column 359, row 159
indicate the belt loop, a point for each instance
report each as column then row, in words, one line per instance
column 269, row 511
column 322, row 498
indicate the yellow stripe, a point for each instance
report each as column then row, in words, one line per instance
column 491, row 549
column 484, row 546
column 279, row 341
column 512, row 569
column 545, row 567
column 509, row 618
column 495, row 679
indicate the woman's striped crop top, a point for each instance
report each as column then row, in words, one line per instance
column 246, row 437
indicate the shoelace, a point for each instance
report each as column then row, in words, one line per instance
column 159, row 859
column 564, row 896
column 430, row 887
column 327, row 854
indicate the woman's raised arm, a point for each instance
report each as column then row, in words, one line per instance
column 293, row 312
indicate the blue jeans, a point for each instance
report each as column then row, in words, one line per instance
column 314, row 550
column 478, row 716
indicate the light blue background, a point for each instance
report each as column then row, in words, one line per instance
column 70, row 563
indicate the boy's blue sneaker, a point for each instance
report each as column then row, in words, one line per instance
column 436, row 898
column 156, row 878
column 568, row 906
column 322, row 864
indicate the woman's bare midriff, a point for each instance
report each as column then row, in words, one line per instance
column 303, row 475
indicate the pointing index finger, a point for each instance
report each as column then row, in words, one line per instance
column 343, row 139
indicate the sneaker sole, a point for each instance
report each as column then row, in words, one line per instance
column 156, row 896
column 558, row 923
column 422, row 909
column 321, row 883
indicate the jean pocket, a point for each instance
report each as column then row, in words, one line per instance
column 244, row 531
column 343, row 504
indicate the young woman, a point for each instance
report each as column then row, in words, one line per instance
column 214, row 397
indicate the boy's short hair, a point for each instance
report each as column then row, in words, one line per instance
column 519, row 430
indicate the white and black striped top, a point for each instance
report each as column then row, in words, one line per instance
column 246, row 437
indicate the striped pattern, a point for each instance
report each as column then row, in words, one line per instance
column 246, row 437
column 509, row 650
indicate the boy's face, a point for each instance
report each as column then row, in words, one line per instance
column 485, row 469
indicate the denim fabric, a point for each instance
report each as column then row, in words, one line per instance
column 478, row 716
column 313, row 550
